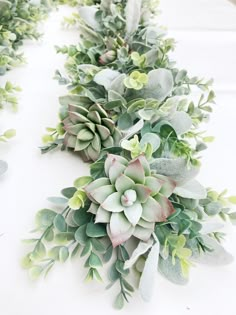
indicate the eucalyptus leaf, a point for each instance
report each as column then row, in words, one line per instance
column 105, row 77
column 181, row 122
column 160, row 84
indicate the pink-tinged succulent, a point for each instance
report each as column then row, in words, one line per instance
column 130, row 199
column 89, row 130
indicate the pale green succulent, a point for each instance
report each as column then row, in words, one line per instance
column 136, row 80
column 89, row 130
column 130, row 199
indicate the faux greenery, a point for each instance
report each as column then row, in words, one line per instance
column 130, row 111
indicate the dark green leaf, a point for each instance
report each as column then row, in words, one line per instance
column 81, row 216
column 96, row 230
column 94, row 261
column 68, row 192
column 60, row 223
column 80, row 234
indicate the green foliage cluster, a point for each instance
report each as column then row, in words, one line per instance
column 141, row 209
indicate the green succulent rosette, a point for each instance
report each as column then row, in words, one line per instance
column 89, row 130
column 130, row 199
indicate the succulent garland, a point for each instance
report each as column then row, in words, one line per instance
column 131, row 113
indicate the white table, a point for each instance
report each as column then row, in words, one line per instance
column 205, row 49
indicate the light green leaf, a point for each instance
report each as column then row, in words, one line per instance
column 35, row 272
column 44, row 218
column 82, row 181
column 63, row 254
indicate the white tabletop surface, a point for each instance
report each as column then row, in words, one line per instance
column 205, row 32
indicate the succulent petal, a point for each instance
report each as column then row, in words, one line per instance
column 93, row 208
column 113, row 203
column 133, row 213
column 152, row 211
column 92, row 153
column 115, row 171
column 103, row 131
column 166, row 205
column 154, row 184
column 111, row 158
column 100, row 194
column 94, row 117
column 135, row 171
column 123, row 183
column 142, row 233
column 120, row 230
column 103, row 181
column 81, row 145
column 102, row 216
column 85, row 135
column 168, row 185
column 146, row 225
column 143, row 192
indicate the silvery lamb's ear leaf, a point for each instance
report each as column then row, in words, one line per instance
column 217, row 257
column 133, row 130
column 147, row 280
column 160, row 84
column 90, row 34
column 105, row 77
column 117, row 84
column 87, row 67
column 133, row 15
column 3, row 167
column 175, row 168
column 87, row 13
column 171, row 272
column 141, row 249
column 181, row 122
column 192, row 190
